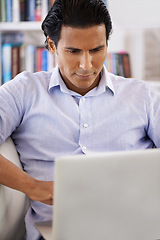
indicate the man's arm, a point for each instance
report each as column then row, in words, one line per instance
column 13, row 177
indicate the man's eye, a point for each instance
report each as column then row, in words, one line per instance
column 96, row 50
column 73, row 51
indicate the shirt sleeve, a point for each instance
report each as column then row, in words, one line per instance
column 11, row 111
column 153, row 111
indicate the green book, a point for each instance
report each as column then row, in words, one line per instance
column 3, row 12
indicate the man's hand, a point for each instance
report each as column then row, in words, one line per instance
column 41, row 191
column 14, row 177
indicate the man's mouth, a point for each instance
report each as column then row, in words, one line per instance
column 84, row 75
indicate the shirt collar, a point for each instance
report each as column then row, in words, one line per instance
column 105, row 82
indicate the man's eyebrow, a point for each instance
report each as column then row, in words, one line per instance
column 98, row 48
column 72, row 48
column 77, row 49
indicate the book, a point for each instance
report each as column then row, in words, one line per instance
column 9, row 10
column 6, row 62
column 14, row 38
column 11, row 43
column 118, row 64
column 17, row 56
column 26, row 7
column 22, row 10
column 31, row 10
column 38, row 10
column 16, row 10
column 15, row 60
column 30, row 58
column 22, row 56
column 39, row 59
column 3, row 10
column 126, row 65
column 44, row 59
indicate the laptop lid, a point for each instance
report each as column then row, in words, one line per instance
column 107, row 196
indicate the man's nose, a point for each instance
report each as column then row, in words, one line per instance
column 85, row 61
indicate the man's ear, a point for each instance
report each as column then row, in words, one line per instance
column 51, row 46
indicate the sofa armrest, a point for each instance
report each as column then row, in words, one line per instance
column 13, row 204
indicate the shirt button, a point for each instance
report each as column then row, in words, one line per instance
column 83, row 99
column 84, row 147
column 85, row 125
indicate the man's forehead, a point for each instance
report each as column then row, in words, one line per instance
column 80, row 28
column 95, row 35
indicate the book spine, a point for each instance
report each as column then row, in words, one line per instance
column 15, row 56
column 22, row 58
column 44, row 59
column 126, row 65
column 16, row 11
column 38, row 59
column 30, row 58
column 22, row 10
column 114, row 66
column 26, row 7
column 38, row 10
column 120, row 65
column 31, row 10
column 9, row 10
column 6, row 62
column 3, row 11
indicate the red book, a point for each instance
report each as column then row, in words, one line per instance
column 39, row 59
column 15, row 60
column 126, row 65
column 38, row 10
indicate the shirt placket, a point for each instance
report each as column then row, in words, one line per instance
column 85, row 124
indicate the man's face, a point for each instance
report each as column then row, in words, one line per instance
column 80, row 55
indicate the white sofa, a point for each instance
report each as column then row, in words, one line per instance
column 13, row 204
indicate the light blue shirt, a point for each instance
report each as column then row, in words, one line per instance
column 46, row 119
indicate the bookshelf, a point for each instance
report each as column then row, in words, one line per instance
column 23, row 17
column 32, row 34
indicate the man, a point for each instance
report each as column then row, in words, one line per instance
column 77, row 108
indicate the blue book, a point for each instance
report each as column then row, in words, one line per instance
column 9, row 10
column 6, row 62
column 31, row 10
column 14, row 38
column 44, row 59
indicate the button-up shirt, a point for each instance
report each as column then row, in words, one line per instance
column 46, row 119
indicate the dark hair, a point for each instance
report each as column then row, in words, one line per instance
column 75, row 13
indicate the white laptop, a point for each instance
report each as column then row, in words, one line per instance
column 109, row 196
